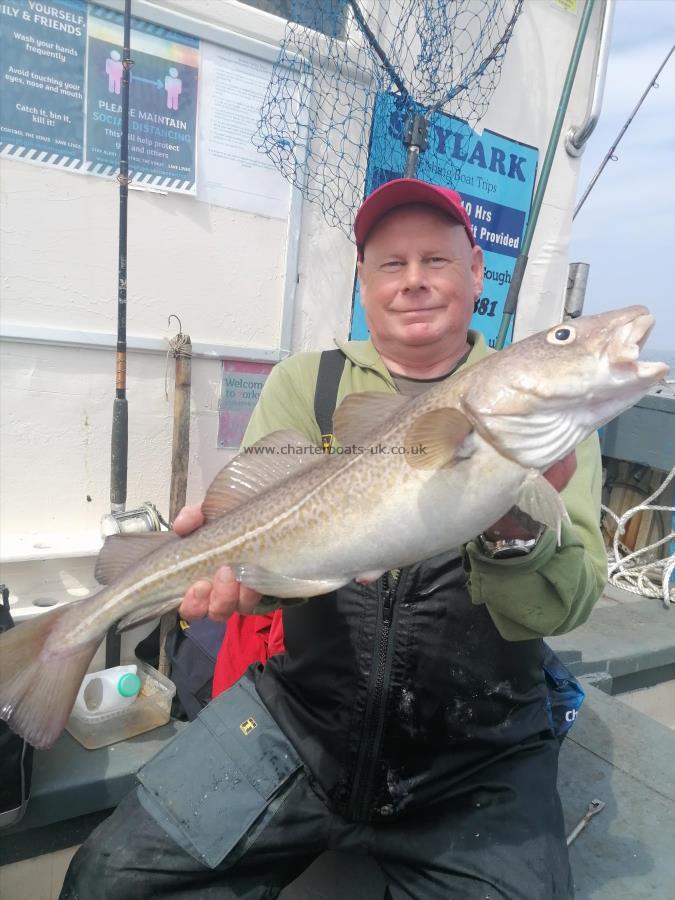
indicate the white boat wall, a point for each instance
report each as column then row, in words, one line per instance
column 245, row 286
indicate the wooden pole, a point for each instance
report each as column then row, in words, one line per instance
column 180, row 458
column 180, row 454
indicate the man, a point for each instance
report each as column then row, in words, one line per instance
column 408, row 716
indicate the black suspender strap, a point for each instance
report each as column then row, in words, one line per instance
column 331, row 366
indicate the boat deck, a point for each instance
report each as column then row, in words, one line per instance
column 614, row 753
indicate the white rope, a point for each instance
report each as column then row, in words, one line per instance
column 178, row 346
column 651, row 579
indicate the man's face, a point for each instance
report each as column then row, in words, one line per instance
column 419, row 278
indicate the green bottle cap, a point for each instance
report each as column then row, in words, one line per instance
column 129, row 685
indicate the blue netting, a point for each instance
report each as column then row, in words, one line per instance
column 337, row 58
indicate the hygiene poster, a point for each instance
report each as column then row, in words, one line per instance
column 42, row 53
column 60, row 92
column 495, row 177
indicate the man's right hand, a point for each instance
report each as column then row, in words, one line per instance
column 217, row 599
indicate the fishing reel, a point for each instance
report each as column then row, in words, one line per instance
column 133, row 521
column 144, row 519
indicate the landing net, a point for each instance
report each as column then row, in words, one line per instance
column 338, row 56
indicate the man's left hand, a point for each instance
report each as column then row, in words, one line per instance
column 508, row 527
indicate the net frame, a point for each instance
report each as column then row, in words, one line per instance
column 315, row 121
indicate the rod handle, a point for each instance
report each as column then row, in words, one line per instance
column 119, row 445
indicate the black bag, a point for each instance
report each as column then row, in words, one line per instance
column 16, row 756
column 191, row 650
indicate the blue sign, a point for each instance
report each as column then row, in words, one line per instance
column 42, row 53
column 162, row 98
column 54, row 112
column 495, row 177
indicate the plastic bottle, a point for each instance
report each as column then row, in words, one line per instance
column 107, row 691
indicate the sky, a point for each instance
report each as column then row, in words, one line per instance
column 626, row 228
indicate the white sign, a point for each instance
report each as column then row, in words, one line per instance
column 231, row 171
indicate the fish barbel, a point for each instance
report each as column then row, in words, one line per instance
column 292, row 522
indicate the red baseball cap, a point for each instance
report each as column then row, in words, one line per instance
column 408, row 190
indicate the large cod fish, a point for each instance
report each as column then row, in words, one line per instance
column 424, row 475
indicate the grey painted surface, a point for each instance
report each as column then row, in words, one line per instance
column 645, row 433
column 627, row 760
column 623, row 637
column 69, row 781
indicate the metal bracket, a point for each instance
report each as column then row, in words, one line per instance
column 415, row 140
column 416, row 132
column 577, row 135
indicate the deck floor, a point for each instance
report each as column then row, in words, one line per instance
column 614, row 752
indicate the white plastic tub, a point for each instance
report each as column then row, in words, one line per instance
column 150, row 709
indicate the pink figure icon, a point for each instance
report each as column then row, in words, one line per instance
column 113, row 69
column 173, row 87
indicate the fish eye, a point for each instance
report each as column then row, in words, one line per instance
column 561, row 335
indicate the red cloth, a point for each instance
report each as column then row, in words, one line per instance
column 248, row 639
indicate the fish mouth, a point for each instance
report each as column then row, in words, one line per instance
column 625, row 346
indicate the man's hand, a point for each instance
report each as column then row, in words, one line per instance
column 560, row 473
column 222, row 598
column 508, row 527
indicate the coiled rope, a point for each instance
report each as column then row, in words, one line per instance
column 626, row 572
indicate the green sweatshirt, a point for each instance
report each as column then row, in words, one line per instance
column 549, row 591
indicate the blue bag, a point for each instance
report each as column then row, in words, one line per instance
column 564, row 694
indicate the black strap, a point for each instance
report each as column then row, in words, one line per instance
column 6, row 621
column 331, row 366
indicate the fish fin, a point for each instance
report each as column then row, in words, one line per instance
column 38, row 686
column 282, row 586
column 121, row 551
column 138, row 616
column 369, row 577
column 265, row 464
column 360, row 415
column 437, row 438
column 540, row 500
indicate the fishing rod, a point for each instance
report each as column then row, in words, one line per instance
column 145, row 518
column 119, row 440
column 610, row 153
column 120, row 420
column 521, row 262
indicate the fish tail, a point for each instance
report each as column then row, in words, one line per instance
column 38, row 686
